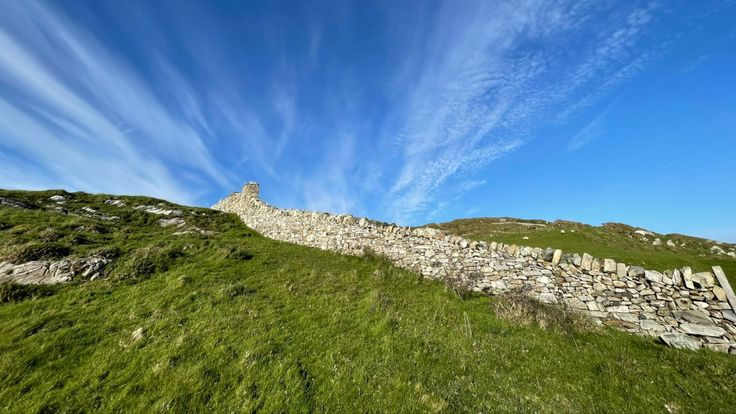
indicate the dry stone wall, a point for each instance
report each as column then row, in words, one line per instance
column 683, row 308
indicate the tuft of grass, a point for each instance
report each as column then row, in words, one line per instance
column 50, row 235
column 145, row 261
column 518, row 307
column 235, row 253
column 237, row 289
column 184, row 281
column 39, row 251
column 108, row 252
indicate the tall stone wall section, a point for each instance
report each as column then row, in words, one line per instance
column 683, row 308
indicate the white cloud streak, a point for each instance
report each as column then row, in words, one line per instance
column 109, row 132
column 591, row 131
column 483, row 88
column 476, row 79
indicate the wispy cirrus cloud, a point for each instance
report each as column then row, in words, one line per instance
column 109, row 131
column 394, row 110
column 495, row 72
column 591, row 131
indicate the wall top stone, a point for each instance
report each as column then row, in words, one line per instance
column 252, row 190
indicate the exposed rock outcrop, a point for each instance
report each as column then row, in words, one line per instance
column 13, row 203
column 52, row 272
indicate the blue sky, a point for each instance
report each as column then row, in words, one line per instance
column 404, row 111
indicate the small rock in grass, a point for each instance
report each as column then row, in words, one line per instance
column 717, row 250
column 172, row 222
column 138, row 334
column 116, row 203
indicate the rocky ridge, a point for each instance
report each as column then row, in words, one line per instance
column 683, row 308
column 47, row 272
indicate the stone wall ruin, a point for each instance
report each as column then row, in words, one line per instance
column 682, row 308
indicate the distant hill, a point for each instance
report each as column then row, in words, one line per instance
column 195, row 312
column 621, row 242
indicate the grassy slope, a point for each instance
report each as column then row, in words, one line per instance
column 611, row 241
column 297, row 329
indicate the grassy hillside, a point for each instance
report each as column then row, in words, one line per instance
column 220, row 319
column 612, row 240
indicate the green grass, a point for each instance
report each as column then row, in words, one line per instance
column 614, row 241
column 234, row 322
